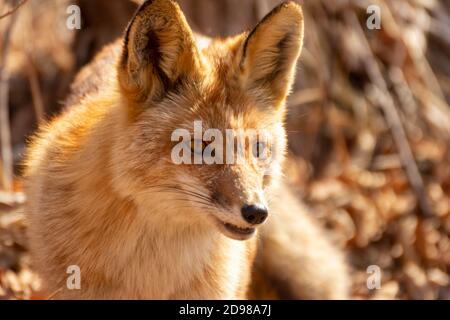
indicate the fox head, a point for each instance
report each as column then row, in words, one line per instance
column 169, row 79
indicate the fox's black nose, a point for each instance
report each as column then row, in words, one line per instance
column 254, row 214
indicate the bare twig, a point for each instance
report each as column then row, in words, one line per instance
column 387, row 104
column 307, row 96
column 36, row 92
column 12, row 198
column 14, row 9
column 54, row 294
column 5, row 131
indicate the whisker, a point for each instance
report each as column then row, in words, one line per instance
column 192, row 193
column 192, row 196
column 175, row 187
column 208, row 205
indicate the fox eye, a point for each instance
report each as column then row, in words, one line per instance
column 261, row 150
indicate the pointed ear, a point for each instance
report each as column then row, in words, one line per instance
column 158, row 52
column 270, row 53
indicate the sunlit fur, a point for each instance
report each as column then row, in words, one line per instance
column 104, row 194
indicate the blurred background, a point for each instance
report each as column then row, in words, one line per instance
column 369, row 124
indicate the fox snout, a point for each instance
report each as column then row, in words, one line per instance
column 242, row 196
column 253, row 213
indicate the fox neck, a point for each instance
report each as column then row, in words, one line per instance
column 194, row 262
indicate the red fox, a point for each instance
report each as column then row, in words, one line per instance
column 105, row 195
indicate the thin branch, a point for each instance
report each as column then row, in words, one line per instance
column 12, row 198
column 5, row 131
column 14, row 9
column 386, row 102
column 36, row 92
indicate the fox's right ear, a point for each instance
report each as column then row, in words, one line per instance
column 270, row 52
column 158, row 52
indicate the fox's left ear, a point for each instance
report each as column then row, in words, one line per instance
column 270, row 53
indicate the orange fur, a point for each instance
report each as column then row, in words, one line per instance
column 97, row 175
